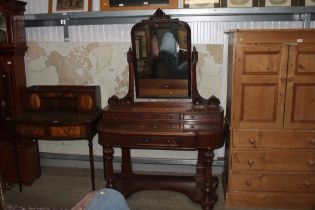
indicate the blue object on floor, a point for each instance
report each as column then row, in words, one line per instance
column 108, row 199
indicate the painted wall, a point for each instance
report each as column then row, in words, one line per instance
column 105, row 64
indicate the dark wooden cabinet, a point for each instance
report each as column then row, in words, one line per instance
column 12, row 86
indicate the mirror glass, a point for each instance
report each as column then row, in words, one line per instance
column 162, row 68
column 3, row 28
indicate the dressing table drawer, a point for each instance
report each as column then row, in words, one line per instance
column 121, row 116
column 161, row 116
column 164, row 141
column 203, row 117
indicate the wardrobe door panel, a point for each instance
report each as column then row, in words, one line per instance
column 260, row 73
column 300, row 99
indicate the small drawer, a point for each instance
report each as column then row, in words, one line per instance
column 273, row 139
column 30, row 130
column 154, row 141
column 273, row 161
column 67, row 131
column 121, row 116
column 206, row 117
column 166, row 142
column 201, row 127
column 160, row 116
column 57, row 94
column 272, row 182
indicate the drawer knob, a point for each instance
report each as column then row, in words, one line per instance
column 251, row 162
column 252, row 141
column 248, row 183
column 312, row 141
column 307, row 184
column 311, row 163
column 146, row 140
column 168, row 141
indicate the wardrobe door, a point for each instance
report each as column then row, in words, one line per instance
column 259, row 85
column 300, row 99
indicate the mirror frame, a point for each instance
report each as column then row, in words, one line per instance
column 160, row 18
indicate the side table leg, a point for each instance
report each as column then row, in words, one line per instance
column 38, row 157
column 126, row 167
column 200, row 167
column 209, row 197
column 91, row 162
column 109, row 171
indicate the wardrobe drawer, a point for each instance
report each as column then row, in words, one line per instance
column 273, row 182
column 273, row 161
column 273, row 139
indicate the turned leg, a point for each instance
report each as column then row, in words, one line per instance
column 109, row 171
column 209, row 195
column 200, row 167
column 126, row 167
column 91, row 162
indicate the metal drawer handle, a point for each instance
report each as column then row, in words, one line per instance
column 248, row 183
column 311, row 163
column 251, row 162
column 252, row 141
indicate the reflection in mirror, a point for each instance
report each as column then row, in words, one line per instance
column 162, row 66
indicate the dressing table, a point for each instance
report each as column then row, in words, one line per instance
column 162, row 110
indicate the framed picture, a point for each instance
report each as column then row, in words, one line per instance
column 69, row 6
column 242, row 3
column 279, row 3
column 202, row 3
column 137, row 4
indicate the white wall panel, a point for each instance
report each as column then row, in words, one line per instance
column 212, row 32
column 312, row 24
column 100, row 33
column 45, row 34
column 202, row 32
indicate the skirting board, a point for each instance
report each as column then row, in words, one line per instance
column 162, row 165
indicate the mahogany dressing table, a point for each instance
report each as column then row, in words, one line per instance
column 60, row 113
column 162, row 66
